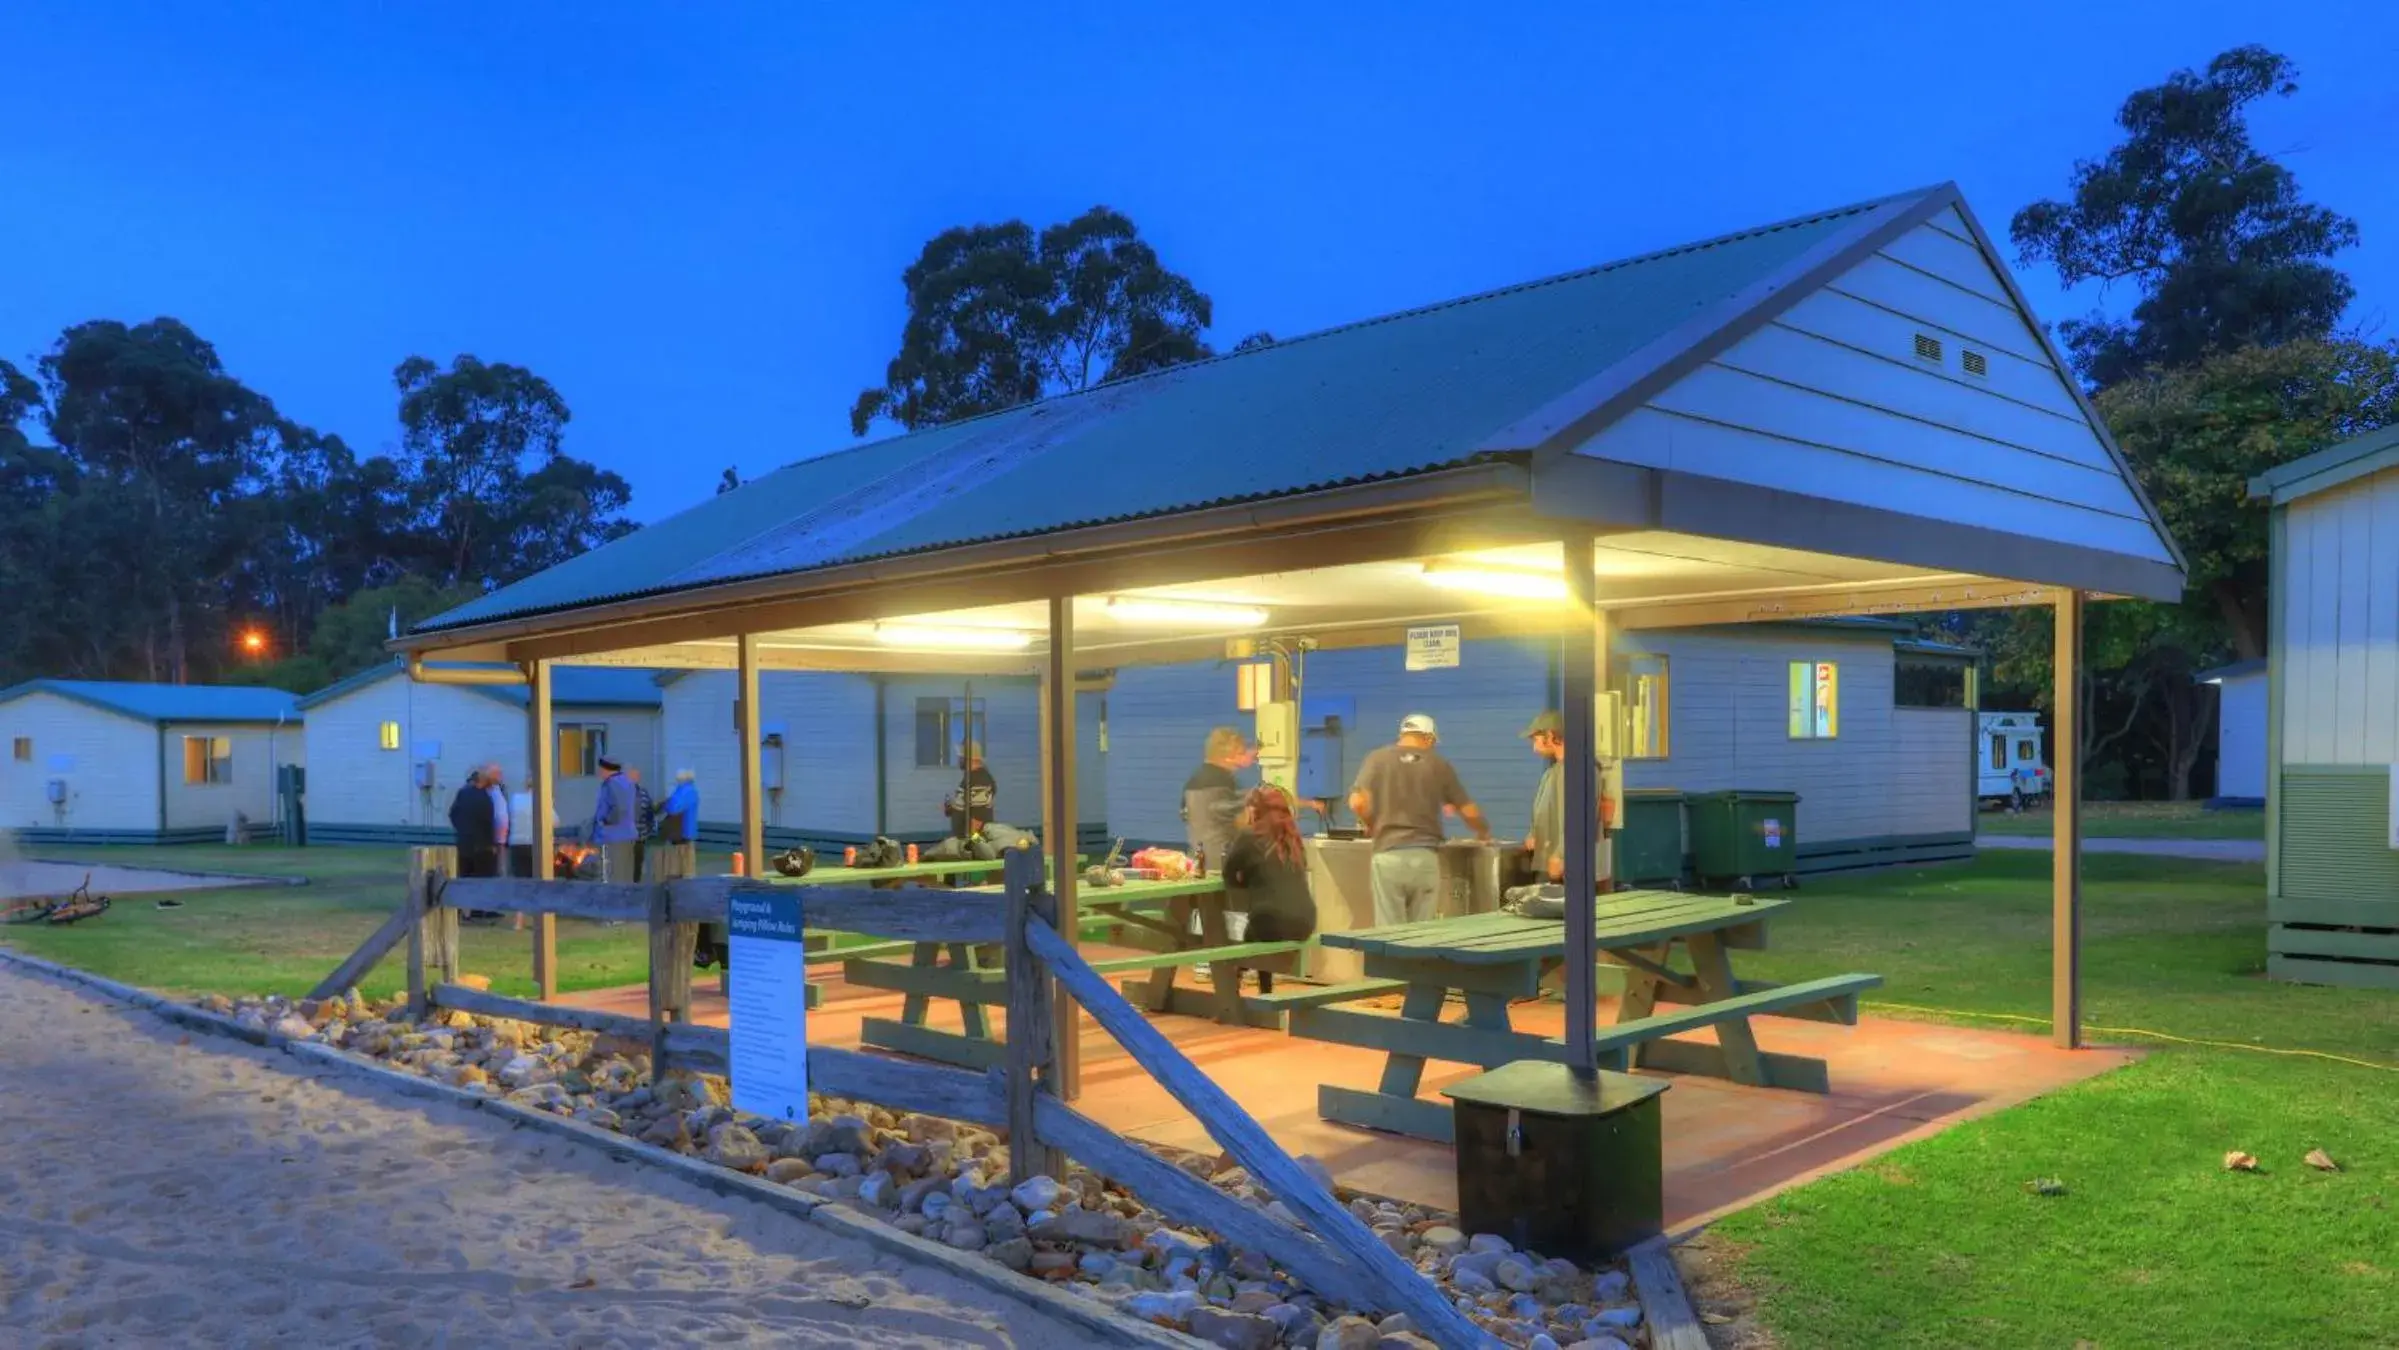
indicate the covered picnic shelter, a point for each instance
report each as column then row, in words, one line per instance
column 1848, row 413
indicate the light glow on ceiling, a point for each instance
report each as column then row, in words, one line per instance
column 1190, row 613
column 952, row 639
column 1516, row 582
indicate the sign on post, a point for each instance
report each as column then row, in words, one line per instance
column 1434, row 648
column 768, row 999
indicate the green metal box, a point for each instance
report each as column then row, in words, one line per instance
column 1567, row 1164
column 1743, row 837
column 1649, row 847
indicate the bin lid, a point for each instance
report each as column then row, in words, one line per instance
column 1653, row 794
column 1541, row 1088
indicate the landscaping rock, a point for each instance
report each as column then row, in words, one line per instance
column 1172, row 1307
column 1015, row 1253
column 1444, row 1239
column 1610, row 1285
column 1235, row 1330
column 784, row 1171
column 964, row 1234
column 1036, row 1193
column 730, row 1145
column 879, row 1190
column 1624, row 1318
column 1348, row 1333
column 1083, row 1225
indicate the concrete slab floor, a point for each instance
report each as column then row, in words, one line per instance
column 1727, row 1146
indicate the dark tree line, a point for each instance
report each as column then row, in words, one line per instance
column 161, row 509
column 2229, row 360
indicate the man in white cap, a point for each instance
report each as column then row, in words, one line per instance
column 1401, row 793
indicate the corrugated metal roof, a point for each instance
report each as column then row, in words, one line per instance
column 170, row 702
column 2336, row 464
column 1406, row 394
column 570, row 686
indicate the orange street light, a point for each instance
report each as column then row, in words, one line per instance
column 253, row 641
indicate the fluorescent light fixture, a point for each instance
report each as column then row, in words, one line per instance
column 1488, row 580
column 977, row 639
column 1196, row 613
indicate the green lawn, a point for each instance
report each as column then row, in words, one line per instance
column 2138, row 820
column 283, row 939
column 2153, row 1244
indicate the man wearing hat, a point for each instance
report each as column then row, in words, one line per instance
column 1545, row 846
column 1401, row 793
column 615, row 824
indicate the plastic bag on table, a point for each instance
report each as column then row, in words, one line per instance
column 1547, row 901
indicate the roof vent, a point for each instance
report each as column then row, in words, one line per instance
column 1975, row 362
column 1928, row 347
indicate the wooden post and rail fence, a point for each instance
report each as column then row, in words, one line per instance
column 1330, row 1250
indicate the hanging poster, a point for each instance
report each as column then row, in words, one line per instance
column 769, row 1004
column 1434, row 648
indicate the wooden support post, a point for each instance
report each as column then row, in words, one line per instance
column 433, row 926
column 1581, row 667
column 1031, row 1019
column 1058, row 813
column 2065, row 880
column 542, row 768
column 753, row 791
column 670, row 976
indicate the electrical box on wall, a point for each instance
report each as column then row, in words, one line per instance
column 770, row 758
column 56, row 791
column 423, row 775
column 1253, row 688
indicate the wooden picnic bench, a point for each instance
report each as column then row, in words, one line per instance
column 1491, row 959
column 975, row 977
column 1212, row 946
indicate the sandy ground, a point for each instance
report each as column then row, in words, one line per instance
column 19, row 877
column 156, row 1189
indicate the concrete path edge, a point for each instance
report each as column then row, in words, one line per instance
column 1090, row 1315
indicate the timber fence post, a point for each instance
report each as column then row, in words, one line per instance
column 1031, row 1022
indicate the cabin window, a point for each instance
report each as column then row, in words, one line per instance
column 21, row 750
column 944, row 728
column 1815, row 713
column 2027, row 752
column 207, row 759
column 1999, row 752
column 1649, row 686
column 388, row 735
column 581, row 747
column 1921, row 683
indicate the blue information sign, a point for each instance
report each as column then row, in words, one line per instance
column 769, row 999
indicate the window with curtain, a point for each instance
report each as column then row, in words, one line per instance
column 207, row 759
column 581, row 747
column 387, row 736
column 1815, row 713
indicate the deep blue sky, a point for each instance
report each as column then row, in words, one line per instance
column 692, row 218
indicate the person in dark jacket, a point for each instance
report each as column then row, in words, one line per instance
column 1266, row 874
column 645, row 820
column 976, row 802
column 475, row 828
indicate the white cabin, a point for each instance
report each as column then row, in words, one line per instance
column 120, row 762
column 393, row 751
column 2240, row 733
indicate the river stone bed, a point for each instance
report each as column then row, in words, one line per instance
column 949, row 1182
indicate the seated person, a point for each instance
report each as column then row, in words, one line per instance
column 1266, row 874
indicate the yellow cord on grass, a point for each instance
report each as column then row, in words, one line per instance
column 2136, row 1031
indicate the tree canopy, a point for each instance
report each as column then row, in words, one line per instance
column 174, row 509
column 1000, row 315
column 2212, row 230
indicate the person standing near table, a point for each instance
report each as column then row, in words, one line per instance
column 1400, row 795
column 1545, row 844
column 1211, row 814
column 971, row 806
column 614, row 825
column 472, row 826
column 645, row 824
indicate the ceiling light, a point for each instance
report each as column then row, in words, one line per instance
column 1510, row 581
column 1196, row 613
column 977, row 639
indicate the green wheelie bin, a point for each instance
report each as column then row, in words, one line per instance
column 1649, row 846
column 1745, row 838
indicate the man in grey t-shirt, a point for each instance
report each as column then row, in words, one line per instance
column 1400, row 795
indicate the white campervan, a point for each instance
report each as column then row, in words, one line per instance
column 2008, row 763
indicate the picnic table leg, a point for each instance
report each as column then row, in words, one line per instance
column 915, row 1007
column 1225, row 975
column 1713, row 971
column 1403, row 1074
column 970, row 1014
column 1162, row 980
column 1640, row 997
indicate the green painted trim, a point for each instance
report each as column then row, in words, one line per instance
column 2335, row 913
column 946, row 1047
column 2277, row 555
column 2328, row 468
column 2382, row 947
column 34, row 836
column 2353, row 974
column 2378, row 772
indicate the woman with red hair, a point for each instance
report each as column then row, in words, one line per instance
column 1266, row 874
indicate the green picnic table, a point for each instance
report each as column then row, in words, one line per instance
column 1492, row 959
column 974, row 976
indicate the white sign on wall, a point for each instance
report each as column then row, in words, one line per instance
column 1434, row 648
column 769, row 1002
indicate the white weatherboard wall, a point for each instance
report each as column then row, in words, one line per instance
column 250, row 791
column 2338, row 583
column 353, row 781
column 112, row 781
column 1891, row 772
column 1011, row 750
column 829, row 749
column 2241, row 736
column 1831, row 400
